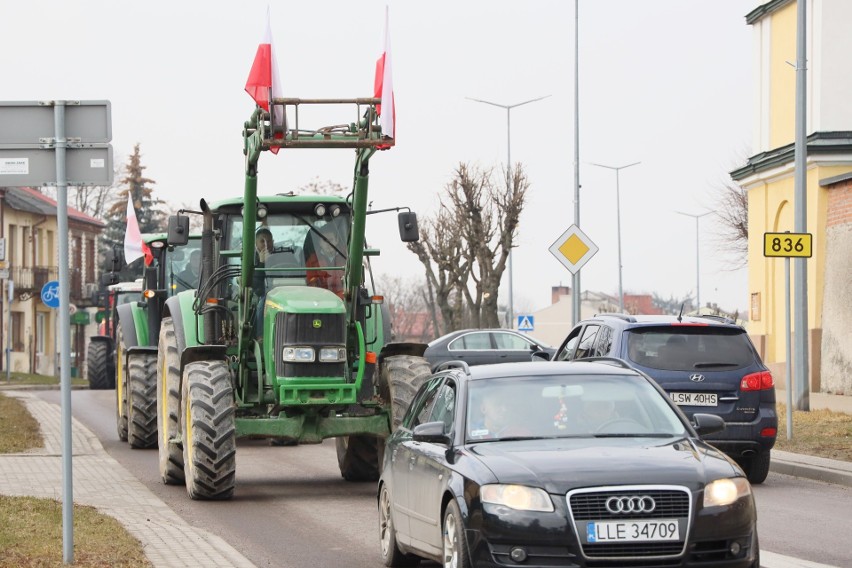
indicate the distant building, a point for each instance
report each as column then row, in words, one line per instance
column 28, row 223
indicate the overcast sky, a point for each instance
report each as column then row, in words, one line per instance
column 667, row 83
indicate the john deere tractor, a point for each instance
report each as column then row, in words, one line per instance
column 276, row 342
column 137, row 328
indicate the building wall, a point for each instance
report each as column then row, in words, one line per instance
column 837, row 309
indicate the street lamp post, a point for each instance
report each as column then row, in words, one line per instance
column 509, row 178
column 618, row 224
column 697, row 273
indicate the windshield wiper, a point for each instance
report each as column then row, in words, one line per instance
column 624, row 435
column 715, row 364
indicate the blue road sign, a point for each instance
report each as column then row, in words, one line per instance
column 526, row 323
column 50, row 294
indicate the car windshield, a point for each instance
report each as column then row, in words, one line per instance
column 568, row 406
column 687, row 348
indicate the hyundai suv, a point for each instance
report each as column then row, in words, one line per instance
column 705, row 364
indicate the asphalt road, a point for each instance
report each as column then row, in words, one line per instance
column 291, row 508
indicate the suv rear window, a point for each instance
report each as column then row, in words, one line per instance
column 686, row 348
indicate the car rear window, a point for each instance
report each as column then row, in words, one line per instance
column 687, row 348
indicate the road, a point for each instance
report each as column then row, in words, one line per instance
column 291, row 508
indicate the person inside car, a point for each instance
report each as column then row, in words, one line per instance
column 499, row 416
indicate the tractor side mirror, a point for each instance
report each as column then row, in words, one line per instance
column 112, row 261
column 408, row 231
column 178, row 230
column 108, row 278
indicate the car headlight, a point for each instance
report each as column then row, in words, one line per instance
column 725, row 491
column 518, row 497
column 299, row 354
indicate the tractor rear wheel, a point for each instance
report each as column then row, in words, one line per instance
column 209, row 430
column 358, row 457
column 399, row 379
column 142, row 401
column 120, row 388
column 168, row 404
column 101, row 368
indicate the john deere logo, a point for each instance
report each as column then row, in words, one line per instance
column 317, row 324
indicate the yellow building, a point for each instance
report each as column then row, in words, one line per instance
column 769, row 178
column 28, row 227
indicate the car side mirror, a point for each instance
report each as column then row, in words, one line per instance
column 707, row 423
column 408, row 231
column 432, row 432
column 178, row 234
column 540, row 356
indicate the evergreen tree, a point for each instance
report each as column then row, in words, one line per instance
column 149, row 213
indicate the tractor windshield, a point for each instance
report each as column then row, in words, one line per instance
column 183, row 266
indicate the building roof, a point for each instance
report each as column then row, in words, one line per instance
column 765, row 10
column 818, row 144
column 32, row 201
column 835, row 179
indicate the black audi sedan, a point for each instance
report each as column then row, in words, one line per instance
column 574, row 464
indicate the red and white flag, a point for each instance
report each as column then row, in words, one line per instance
column 264, row 82
column 383, row 85
column 133, row 246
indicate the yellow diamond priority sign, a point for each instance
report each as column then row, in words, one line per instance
column 573, row 249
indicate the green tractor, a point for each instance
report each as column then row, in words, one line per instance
column 100, row 355
column 284, row 339
column 167, row 271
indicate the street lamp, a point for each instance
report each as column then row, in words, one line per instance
column 618, row 224
column 697, row 273
column 509, row 177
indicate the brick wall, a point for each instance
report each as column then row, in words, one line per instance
column 840, row 204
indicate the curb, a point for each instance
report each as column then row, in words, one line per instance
column 811, row 467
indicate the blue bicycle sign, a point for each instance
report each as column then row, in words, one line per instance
column 50, row 294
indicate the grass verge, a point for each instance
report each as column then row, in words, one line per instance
column 31, row 536
column 31, row 529
column 19, row 431
column 820, row 433
column 31, row 379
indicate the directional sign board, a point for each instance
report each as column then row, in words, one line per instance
column 50, row 294
column 573, row 249
column 31, row 122
column 787, row 245
column 29, row 165
column 526, row 323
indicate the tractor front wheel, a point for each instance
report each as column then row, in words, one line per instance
column 168, row 404
column 120, row 388
column 142, row 401
column 209, row 430
column 399, row 379
column 358, row 457
column 101, row 368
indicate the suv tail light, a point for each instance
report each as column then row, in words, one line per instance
column 757, row 381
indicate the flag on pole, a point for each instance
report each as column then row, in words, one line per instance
column 133, row 246
column 383, row 85
column 264, row 82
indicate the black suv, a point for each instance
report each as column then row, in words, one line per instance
column 705, row 364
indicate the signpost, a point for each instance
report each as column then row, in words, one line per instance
column 787, row 245
column 46, row 143
column 573, row 249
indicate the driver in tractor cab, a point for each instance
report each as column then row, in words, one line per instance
column 324, row 248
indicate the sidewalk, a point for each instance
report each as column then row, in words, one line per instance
column 101, row 482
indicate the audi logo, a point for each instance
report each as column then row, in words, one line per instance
column 696, row 377
column 636, row 504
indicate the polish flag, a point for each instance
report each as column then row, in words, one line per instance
column 134, row 248
column 264, row 82
column 383, row 85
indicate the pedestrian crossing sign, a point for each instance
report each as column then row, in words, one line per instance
column 526, row 323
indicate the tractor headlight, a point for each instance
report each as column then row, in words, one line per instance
column 332, row 354
column 299, row 354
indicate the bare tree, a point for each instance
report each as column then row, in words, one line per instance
column 318, row 187
column 732, row 210
column 93, row 200
column 407, row 302
column 465, row 247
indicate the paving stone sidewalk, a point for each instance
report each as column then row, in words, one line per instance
column 103, row 483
